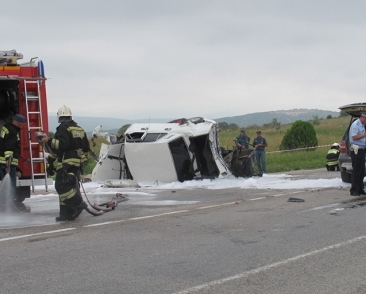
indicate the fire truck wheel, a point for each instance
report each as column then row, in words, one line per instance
column 21, row 193
column 20, row 199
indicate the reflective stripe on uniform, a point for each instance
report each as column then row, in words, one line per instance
column 83, row 158
column 55, row 144
column 332, row 162
column 4, row 131
column 72, row 161
column 76, row 132
column 8, row 153
column 57, row 165
column 53, row 156
column 67, row 195
column 4, row 160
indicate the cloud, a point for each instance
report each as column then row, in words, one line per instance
column 136, row 59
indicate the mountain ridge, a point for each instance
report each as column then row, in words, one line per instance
column 282, row 116
column 112, row 125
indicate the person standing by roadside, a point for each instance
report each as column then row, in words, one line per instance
column 242, row 140
column 357, row 139
column 260, row 144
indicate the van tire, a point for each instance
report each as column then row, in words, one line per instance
column 346, row 177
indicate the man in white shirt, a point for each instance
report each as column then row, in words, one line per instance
column 357, row 139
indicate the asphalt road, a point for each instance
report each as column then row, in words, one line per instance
column 214, row 241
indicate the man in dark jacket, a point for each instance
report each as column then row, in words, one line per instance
column 69, row 147
column 10, row 148
column 242, row 141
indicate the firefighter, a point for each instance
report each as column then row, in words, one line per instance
column 69, row 148
column 332, row 158
column 10, row 148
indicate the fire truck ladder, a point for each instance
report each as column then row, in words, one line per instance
column 34, row 95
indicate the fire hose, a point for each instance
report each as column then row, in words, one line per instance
column 99, row 209
column 103, row 207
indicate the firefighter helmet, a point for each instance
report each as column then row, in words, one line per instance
column 63, row 111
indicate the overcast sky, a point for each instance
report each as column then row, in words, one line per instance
column 174, row 58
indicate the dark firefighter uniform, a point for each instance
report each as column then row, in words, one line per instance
column 9, row 147
column 69, row 147
column 332, row 159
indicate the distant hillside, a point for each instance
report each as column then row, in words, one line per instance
column 282, row 116
column 112, row 125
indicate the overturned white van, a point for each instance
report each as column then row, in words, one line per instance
column 180, row 150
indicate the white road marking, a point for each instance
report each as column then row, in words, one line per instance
column 105, row 223
column 156, row 215
column 38, row 234
column 180, row 211
column 277, row 195
column 289, row 193
column 135, row 218
column 211, row 206
column 142, row 217
column 269, row 266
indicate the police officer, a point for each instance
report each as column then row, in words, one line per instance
column 242, row 140
column 357, row 139
column 10, row 147
column 69, row 146
column 332, row 158
column 260, row 143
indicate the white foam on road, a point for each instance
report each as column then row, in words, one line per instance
column 268, row 181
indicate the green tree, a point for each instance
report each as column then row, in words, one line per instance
column 123, row 129
column 343, row 113
column 223, row 125
column 329, row 116
column 300, row 135
column 275, row 123
column 316, row 120
column 233, row 126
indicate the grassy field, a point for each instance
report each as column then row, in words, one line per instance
column 328, row 131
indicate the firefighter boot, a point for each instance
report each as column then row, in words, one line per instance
column 63, row 214
column 79, row 210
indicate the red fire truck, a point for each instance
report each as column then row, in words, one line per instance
column 23, row 91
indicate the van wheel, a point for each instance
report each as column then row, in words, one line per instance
column 346, row 177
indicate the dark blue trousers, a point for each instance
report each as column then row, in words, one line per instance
column 358, row 172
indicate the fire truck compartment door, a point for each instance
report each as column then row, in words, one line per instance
column 37, row 182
